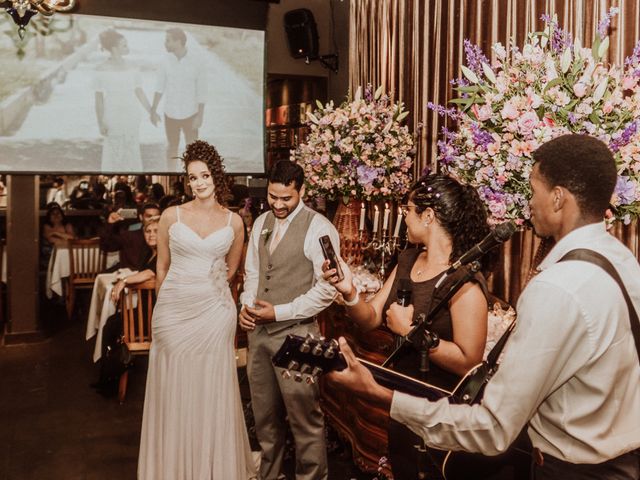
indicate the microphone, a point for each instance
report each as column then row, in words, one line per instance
column 403, row 295
column 499, row 234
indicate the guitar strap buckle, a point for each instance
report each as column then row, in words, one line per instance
column 538, row 457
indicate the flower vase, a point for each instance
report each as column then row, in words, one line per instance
column 352, row 241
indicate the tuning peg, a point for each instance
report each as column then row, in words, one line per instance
column 293, row 365
column 306, row 345
column 317, row 350
column 316, row 372
column 306, row 368
column 310, row 379
column 298, row 377
column 286, row 374
column 330, row 352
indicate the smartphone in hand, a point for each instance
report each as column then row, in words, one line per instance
column 330, row 254
column 128, row 213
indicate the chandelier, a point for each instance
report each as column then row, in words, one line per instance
column 22, row 10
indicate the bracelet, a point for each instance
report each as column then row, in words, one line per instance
column 353, row 301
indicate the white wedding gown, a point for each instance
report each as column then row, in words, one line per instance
column 193, row 427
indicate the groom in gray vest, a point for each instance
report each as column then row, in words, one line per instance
column 283, row 292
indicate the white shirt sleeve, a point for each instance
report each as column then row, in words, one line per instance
column 252, row 264
column 322, row 293
column 543, row 351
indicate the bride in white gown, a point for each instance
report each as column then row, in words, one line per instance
column 193, row 426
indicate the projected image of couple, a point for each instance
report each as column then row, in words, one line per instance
column 181, row 82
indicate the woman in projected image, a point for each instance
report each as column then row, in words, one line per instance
column 118, row 96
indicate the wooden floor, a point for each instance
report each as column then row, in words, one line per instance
column 54, row 426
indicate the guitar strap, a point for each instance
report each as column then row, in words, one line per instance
column 586, row 255
column 494, row 354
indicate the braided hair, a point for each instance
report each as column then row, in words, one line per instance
column 207, row 153
column 457, row 208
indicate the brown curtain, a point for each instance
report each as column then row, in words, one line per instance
column 415, row 47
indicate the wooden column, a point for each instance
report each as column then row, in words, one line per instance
column 22, row 260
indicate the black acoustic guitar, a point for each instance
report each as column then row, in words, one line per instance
column 306, row 359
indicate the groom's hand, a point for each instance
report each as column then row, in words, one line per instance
column 262, row 312
column 246, row 321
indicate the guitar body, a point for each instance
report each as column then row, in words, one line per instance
column 308, row 358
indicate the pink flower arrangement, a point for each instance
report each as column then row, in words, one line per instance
column 359, row 149
column 551, row 87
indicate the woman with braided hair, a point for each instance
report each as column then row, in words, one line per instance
column 444, row 219
column 193, row 425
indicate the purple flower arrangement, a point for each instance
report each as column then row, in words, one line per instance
column 550, row 87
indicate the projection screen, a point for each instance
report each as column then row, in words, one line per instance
column 113, row 95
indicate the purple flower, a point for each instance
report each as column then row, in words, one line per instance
column 560, row 39
column 475, row 57
column 366, row 175
column 443, row 111
column 624, row 138
column 603, row 26
column 481, row 138
column 572, row 118
column 635, row 56
column 625, row 190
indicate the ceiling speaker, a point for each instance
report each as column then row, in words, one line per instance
column 302, row 33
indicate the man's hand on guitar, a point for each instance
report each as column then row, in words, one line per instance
column 358, row 378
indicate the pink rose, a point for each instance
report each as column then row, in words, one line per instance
column 509, row 111
column 528, row 122
column 580, row 89
column 548, row 121
column 607, row 107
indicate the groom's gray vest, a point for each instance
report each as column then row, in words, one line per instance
column 286, row 273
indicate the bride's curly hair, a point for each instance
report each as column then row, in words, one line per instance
column 207, row 153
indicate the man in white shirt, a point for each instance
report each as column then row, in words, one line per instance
column 283, row 292
column 182, row 83
column 570, row 371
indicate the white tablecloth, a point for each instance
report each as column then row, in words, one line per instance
column 60, row 267
column 102, row 307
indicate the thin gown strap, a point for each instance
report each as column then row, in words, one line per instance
column 178, row 213
column 229, row 218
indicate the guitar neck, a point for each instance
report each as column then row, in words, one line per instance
column 306, row 359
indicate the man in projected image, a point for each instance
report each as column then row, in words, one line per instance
column 182, row 83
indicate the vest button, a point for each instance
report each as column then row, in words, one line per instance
column 266, row 290
column 269, row 266
column 268, row 277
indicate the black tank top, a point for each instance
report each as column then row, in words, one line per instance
column 423, row 298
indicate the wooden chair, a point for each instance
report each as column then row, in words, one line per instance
column 136, row 305
column 86, row 261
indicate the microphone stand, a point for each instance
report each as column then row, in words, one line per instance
column 417, row 334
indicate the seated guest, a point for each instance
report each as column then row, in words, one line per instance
column 56, row 230
column 148, row 270
column 112, row 330
column 56, row 192
column 131, row 244
column 445, row 219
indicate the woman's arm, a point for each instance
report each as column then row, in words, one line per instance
column 100, row 112
column 469, row 313
column 143, row 99
column 137, row 277
column 235, row 252
column 367, row 315
column 164, row 255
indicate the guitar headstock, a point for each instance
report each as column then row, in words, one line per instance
column 306, row 358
